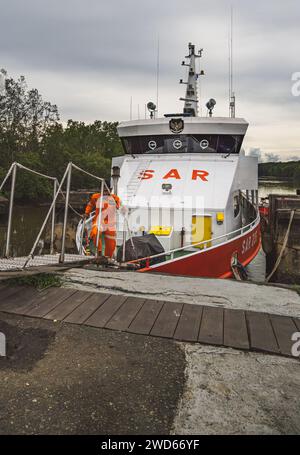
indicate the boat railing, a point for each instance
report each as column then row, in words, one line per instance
column 204, row 244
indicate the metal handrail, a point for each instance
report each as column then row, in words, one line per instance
column 67, row 175
column 31, row 254
column 57, row 189
column 171, row 253
column 7, row 176
column 13, row 170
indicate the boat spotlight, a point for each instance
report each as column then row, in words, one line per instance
column 210, row 106
column 151, row 108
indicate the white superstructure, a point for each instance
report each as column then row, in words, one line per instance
column 182, row 176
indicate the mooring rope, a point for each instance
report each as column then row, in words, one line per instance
column 283, row 246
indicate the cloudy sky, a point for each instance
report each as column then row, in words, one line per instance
column 90, row 56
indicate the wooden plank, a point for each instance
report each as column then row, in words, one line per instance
column 166, row 323
column 211, row 328
column 7, row 291
column 297, row 322
column 67, row 306
column 261, row 333
column 25, row 305
column 87, row 308
column 189, row 323
column 102, row 316
column 235, row 329
column 52, row 300
column 146, row 317
column 34, row 302
column 284, row 328
column 122, row 319
column 15, row 301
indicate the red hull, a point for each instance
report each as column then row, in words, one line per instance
column 214, row 262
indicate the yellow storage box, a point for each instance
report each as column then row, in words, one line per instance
column 161, row 230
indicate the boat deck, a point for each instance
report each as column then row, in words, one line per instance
column 244, row 330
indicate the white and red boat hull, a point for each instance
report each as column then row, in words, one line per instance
column 214, row 262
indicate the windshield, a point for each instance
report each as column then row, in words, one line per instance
column 223, row 143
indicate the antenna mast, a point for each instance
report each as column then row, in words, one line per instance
column 191, row 97
column 157, row 74
column 232, row 103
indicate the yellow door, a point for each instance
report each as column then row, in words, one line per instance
column 201, row 230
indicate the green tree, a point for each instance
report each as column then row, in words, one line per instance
column 31, row 134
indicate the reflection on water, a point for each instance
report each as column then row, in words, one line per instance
column 28, row 220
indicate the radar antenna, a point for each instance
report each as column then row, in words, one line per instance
column 191, row 97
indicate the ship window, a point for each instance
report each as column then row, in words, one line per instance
column 236, row 206
column 223, row 144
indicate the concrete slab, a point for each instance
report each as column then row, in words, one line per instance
column 232, row 392
column 222, row 293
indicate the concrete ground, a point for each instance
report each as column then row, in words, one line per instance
column 234, row 392
column 222, row 293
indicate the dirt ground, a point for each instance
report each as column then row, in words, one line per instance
column 67, row 379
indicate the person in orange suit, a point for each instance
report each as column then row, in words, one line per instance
column 110, row 204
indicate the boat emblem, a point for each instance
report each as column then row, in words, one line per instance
column 204, row 144
column 177, row 144
column 176, row 125
column 152, row 145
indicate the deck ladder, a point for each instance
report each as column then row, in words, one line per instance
column 136, row 180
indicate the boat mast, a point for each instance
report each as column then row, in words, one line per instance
column 191, row 97
column 232, row 98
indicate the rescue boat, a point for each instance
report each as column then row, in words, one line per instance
column 185, row 181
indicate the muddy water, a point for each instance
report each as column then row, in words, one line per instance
column 27, row 222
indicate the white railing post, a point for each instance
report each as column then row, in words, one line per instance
column 53, row 219
column 7, row 176
column 30, row 256
column 81, row 237
column 10, row 213
column 63, row 242
column 124, row 244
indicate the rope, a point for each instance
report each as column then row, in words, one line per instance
column 36, row 172
column 72, row 208
column 88, row 173
column 283, row 247
column 20, row 166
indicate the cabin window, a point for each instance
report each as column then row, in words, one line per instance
column 160, row 144
column 236, row 206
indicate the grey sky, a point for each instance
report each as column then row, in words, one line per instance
column 90, row 56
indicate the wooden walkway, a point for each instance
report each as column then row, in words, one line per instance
column 237, row 329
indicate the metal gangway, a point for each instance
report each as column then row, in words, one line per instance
column 9, row 263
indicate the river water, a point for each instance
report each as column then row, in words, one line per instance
column 27, row 220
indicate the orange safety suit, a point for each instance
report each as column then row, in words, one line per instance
column 110, row 203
